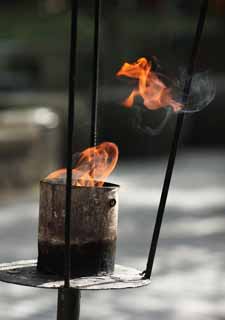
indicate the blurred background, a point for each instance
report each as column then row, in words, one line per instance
column 34, row 49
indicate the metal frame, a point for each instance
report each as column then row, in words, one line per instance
column 25, row 273
column 69, row 294
column 173, row 151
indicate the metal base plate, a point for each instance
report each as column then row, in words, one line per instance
column 25, row 273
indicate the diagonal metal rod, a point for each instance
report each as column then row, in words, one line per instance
column 173, row 152
column 96, row 62
column 70, row 129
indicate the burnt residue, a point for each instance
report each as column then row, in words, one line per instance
column 90, row 259
column 94, row 219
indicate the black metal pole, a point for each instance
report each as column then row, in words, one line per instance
column 96, row 62
column 72, row 81
column 173, row 152
column 68, row 304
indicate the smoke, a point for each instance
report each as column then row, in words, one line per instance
column 148, row 121
column 202, row 93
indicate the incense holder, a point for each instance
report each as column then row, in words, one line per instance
column 94, row 220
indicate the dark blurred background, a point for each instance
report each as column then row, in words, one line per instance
column 34, row 51
column 34, row 66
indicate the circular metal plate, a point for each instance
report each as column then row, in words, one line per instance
column 25, row 273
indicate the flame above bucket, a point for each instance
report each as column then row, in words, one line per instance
column 93, row 166
column 154, row 92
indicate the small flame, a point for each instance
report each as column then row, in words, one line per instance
column 93, row 166
column 155, row 93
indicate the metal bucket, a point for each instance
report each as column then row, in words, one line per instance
column 94, row 219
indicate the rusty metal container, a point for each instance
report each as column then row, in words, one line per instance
column 94, row 219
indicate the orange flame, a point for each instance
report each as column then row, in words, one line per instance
column 93, row 167
column 154, row 92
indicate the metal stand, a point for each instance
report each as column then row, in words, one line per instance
column 177, row 133
column 24, row 273
column 68, row 304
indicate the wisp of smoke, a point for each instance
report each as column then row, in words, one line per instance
column 202, row 93
column 150, row 122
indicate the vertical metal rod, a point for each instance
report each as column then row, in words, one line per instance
column 68, row 304
column 72, row 82
column 96, row 62
column 173, row 151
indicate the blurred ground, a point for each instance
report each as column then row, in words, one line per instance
column 188, row 279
